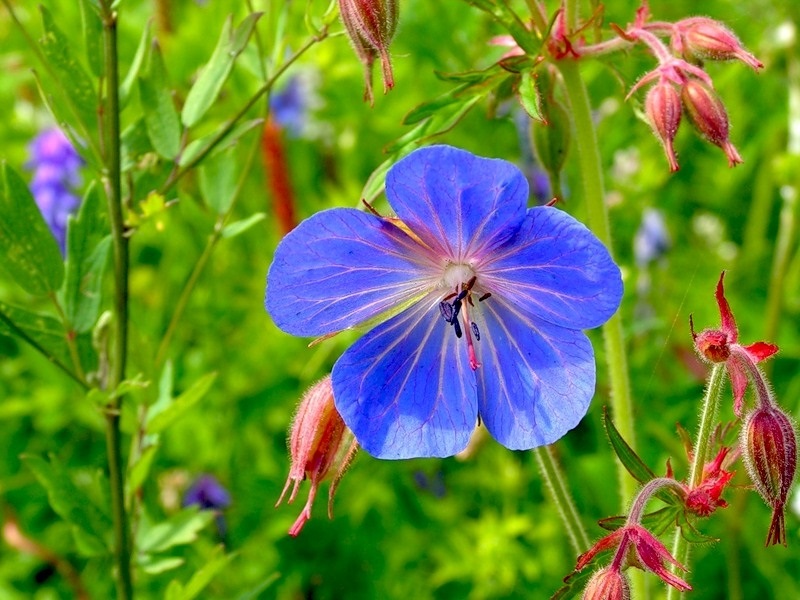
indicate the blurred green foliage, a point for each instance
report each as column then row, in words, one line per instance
column 476, row 528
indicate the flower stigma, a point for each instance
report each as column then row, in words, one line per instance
column 454, row 277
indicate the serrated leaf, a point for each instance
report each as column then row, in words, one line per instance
column 92, row 29
column 88, row 247
column 529, row 96
column 139, row 59
column 71, row 77
column 42, row 329
column 213, row 76
column 217, row 181
column 178, row 530
column 28, row 250
column 240, row 227
column 160, row 114
column 70, row 503
column 157, row 422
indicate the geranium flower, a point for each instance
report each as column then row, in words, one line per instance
column 475, row 303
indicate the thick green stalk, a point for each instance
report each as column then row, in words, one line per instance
column 708, row 421
column 590, row 167
column 119, row 352
column 556, row 483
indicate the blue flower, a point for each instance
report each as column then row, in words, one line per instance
column 55, row 166
column 207, row 493
column 475, row 303
column 651, row 241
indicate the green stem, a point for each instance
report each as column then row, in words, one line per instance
column 223, row 131
column 593, row 192
column 113, row 175
column 556, row 482
column 69, row 337
column 44, row 352
column 708, row 420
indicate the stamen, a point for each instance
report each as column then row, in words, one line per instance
column 485, row 296
column 457, row 327
column 476, row 332
column 447, row 311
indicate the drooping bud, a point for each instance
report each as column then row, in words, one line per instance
column 320, row 446
column 769, row 450
column 663, row 108
column 607, row 584
column 706, row 38
column 371, row 25
column 707, row 113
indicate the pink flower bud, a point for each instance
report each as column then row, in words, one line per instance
column 706, row 38
column 371, row 25
column 708, row 115
column 320, row 445
column 607, row 584
column 769, row 449
column 663, row 107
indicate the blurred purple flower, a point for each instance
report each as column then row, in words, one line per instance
column 56, row 172
column 207, row 493
column 290, row 106
column 651, row 241
column 476, row 305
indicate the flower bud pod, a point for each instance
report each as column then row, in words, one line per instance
column 607, row 584
column 769, row 450
column 551, row 141
column 663, row 108
column 709, row 39
column 708, row 115
column 320, row 445
column 371, row 25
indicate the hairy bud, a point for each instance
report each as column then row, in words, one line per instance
column 769, row 450
column 371, row 25
column 707, row 113
column 706, row 38
column 663, row 108
column 607, row 584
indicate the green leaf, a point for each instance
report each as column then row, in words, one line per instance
column 88, row 247
column 255, row 593
column 197, row 147
column 529, row 96
column 239, row 227
column 160, row 114
column 71, row 504
column 154, row 566
column 42, row 329
column 208, row 85
column 217, row 181
column 139, row 58
column 92, row 29
column 200, row 580
column 178, row 530
column 71, row 77
column 139, row 469
column 629, row 459
column 28, row 250
column 158, row 421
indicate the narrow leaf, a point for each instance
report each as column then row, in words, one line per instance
column 28, row 250
column 213, row 76
column 46, row 331
column 92, row 29
column 214, row 564
column 160, row 114
column 140, row 468
column 88, row 247
column 154, row 566
column 197, row 147
column 217, row 181
column 159, row 421
column 629, row 459
column 139, row 59
column 178, row 530
column 240, row 227
column 529, row 96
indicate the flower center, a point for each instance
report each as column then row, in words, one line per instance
column 457, row 274
column 455, row 306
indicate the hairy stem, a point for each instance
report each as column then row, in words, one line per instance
column 708, row 420
column 111, row 130
column 593, row 194
column 557, row 484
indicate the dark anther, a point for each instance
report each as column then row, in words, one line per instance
column 447, row 311
column 457, row 327
column 475, row 331
column 485, row 296
column 456, row 309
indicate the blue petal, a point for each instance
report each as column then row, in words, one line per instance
column 535, row 381
column 459, row 204
column 557, row 270
column 405, row 388
column 341, row 267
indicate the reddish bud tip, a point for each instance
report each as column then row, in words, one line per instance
column 663, row 108
column 769, row 449
column 712, row 345
column 708, row 115
column 371, row 25
column 607, row 584
column 320, row 446
column 709, row 39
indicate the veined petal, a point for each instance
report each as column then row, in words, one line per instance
column 536, row 379
column 405, row 389
column 557, row 270
column 339, row 268
column 459, row 204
